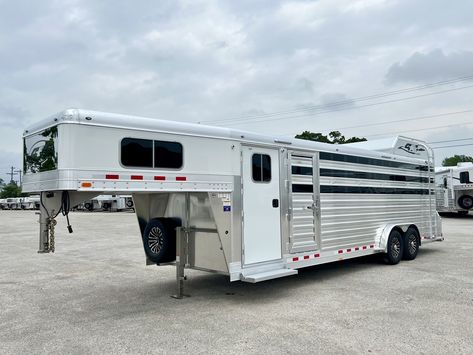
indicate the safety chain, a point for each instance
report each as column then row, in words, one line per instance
column 52, row 225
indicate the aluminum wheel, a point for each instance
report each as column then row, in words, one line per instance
column 412, row 244
column 396, row 248
column 155, row 240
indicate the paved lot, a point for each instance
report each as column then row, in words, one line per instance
column 95, row 295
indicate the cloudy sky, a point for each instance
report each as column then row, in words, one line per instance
column 278, row 67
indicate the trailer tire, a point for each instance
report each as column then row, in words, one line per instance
column 411, row 244
column 88, row 206
column 106, row 206
column 129, row 203
column 466, row 202
column 159, row 240
column 395, row 248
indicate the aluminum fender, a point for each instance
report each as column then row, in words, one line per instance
column 383, row 234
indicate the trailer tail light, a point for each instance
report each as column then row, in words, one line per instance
column 112, row 176
column 306, row 257
column 86, row 184
column 136, row 177
column 340, row 252
column 160, row 178
column 181, row 178
column 364, row 247
column 295, row 259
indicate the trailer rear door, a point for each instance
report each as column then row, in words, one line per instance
column 261, row 205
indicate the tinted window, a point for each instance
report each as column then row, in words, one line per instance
column 137, row 152
column 464, row 177
column 261, row 167
column 167, row 155
column 256, row 167
column 40, row 151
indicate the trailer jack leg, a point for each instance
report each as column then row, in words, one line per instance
column 182, row 237
column 46, row 231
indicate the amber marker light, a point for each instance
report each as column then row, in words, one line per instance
column 86, row 184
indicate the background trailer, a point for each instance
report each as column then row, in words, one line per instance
column 250, row 206
column 455, row 188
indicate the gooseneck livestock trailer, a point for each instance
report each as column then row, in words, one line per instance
column 250, row 206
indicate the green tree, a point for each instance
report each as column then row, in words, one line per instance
column 11, row 190
column 334, row 137
column 452, row 161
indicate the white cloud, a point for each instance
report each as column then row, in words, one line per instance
column 432, row 66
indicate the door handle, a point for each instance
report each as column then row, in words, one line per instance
column 275, row 203
column 313, row 206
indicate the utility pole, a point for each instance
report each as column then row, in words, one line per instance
column 12, row 173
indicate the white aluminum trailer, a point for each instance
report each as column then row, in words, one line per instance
column 13, row 203
column 116, row 203
column 455, row 188
column 250, row 206
column 112, row 203
column 29, row 203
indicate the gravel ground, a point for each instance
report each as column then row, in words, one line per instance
column 96, row 296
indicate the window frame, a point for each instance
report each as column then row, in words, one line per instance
column 262, row 181
column 150, row 168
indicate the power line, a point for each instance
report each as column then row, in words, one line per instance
column 344, row 102
column 354, row 107
column 422, row 129
column 450, row 140
column 400, row 120
column 451, row 146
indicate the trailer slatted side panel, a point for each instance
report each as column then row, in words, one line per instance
column 358, row 199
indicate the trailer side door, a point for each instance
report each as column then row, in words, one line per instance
column 261, row 205
column 304, row 202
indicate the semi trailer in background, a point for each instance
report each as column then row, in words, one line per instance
column 251, row 206
column 455, row 188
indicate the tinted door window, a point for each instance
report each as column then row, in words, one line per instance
column 261, row 167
